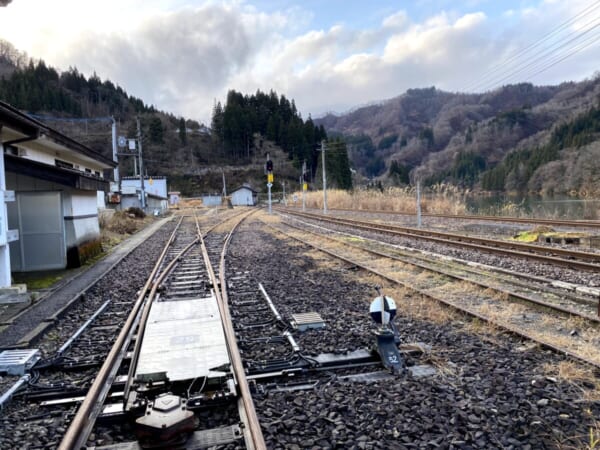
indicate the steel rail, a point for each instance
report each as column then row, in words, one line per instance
column 529, row 251
column 150, row 300
column 146, row 312
column 508, row 328
column 80, row 427
column 510, row 292
column 255, row 440
column 533, row 220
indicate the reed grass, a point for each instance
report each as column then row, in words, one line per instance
column 439, row 199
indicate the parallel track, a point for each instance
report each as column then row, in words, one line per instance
column 527, row 290
column 367, row 265
column 536, row 221
column 551, row 255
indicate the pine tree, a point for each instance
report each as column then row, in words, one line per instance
column 182, row 131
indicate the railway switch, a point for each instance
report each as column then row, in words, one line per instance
column 167, row 420
column 383, row 311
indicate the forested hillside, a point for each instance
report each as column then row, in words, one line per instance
column 240, row 127
column 516, row 138
column 190, row 154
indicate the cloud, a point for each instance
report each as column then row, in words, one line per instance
column 181, row 58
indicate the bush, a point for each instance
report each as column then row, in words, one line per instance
column 136, row 212
column 122, row 223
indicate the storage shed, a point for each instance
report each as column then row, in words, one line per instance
column 244, row 196
column 53, row 214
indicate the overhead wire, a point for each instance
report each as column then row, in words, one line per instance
column 502, row 64
column 591, row 41
column 540, row 59
column 567, row 45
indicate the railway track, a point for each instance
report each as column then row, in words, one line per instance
column 164, row 389
column 474, row 293
column 485, row 390
column 68, row 375
column 591, row 224
column 551, row 255
column 310, row 366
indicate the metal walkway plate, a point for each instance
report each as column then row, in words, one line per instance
column 185, row 339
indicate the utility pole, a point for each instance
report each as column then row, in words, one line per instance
column 224, row 186
column 304, row 186
column 115, row 154
column 324, row 178
column 284, row 201
column 139, row 136
column 419, row 203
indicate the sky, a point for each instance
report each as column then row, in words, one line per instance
column 327, row 55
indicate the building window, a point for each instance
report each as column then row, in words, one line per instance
column 63, row 164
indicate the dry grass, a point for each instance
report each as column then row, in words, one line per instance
column 441, row 199
column 115, row 226
column 190, row 203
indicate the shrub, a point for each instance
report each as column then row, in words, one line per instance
column 136, row 212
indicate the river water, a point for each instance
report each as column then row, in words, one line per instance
column 557, row 207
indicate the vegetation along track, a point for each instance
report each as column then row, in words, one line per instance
column 536, row 312
column 72, row 352
column 552, row 255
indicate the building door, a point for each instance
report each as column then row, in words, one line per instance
column 39, row 218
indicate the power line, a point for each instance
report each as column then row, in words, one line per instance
column 545, row 55
column 575, row 51
column 76, row 119
column 500, row 68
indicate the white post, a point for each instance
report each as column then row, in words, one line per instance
column 324, row 178
column 5, row 280
column 269, row 187
column 139, row 136
column 418, row 203
column 114, row 149
column 224, row 186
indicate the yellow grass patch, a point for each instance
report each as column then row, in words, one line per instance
column 439, row 199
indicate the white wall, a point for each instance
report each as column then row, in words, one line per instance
column 158, row 186
column 80, row 210
column 242, row 197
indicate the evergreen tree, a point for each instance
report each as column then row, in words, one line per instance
column 155, row 130
column 182, row 131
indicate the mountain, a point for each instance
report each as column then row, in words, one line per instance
column 467, row 139
column 243, row 131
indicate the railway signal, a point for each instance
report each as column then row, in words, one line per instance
column 269, row 170
column 383, row 311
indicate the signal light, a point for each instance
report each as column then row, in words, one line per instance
column 269, row 166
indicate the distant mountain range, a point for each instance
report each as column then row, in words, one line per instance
column 516, row 138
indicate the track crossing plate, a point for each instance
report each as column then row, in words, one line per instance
column 185, row 339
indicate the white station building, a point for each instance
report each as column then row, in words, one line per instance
column 48, row 184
